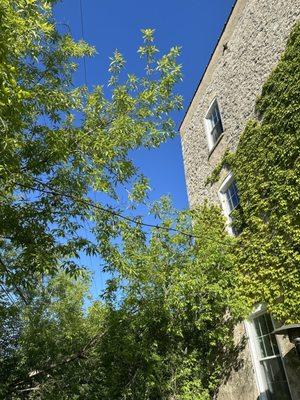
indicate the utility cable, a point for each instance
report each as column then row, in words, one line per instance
column 50, row 190
column 82, row 36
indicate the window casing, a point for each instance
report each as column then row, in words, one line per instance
column 267, row 360
column 213, row 124
column 229, row 198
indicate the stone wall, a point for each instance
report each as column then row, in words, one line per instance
column 241, row 383
column 254, row 38
column 255, row 35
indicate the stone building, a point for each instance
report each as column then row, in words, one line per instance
column 249, row 48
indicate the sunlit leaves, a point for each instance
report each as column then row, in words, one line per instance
column 266, row 167
column 58, row 142
column 173, row 292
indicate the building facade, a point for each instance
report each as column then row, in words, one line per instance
column 249, row 48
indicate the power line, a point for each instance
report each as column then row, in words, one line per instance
column 88, row 202
column 8, row 294
column 82, row 36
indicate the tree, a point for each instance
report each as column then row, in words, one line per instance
column 172, row 294
column 164, row 331
column 53, row 357
column 60, row 143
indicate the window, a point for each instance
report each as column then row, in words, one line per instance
column 267, row 359
column 229, row 197
column 232, row 196
column 213, row 124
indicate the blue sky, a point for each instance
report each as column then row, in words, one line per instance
column 115, row 24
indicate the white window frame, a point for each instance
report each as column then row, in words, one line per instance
column 224, row 202
column 208, row 127
column 254, row 350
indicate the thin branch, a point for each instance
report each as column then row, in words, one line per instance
column 16, row 287
column 82, row 353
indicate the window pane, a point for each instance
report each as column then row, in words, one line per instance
column 263, row 351
column 261, row 326
column 235, row 199
column 269, row 322
column 277, row 369
column 217, row 131
column 279, row 391
column 232, row 196
column 276, row 380
column 268, row 346
column 215, row 115
column 274, row 344
column 215, row 122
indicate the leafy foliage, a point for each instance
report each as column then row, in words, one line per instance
column 174, row 294
column 160, row 332
column 266, row 168
column 60, row 145
column 56, row 343
column 164, row 333
column 164, row 327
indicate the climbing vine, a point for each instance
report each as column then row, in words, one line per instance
column 266, row 167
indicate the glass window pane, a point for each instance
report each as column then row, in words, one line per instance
column 215, row 114
column 261, row 325
column 279, row 391
column 235, row 199
column 232, row 196
column 276, row 379
column 269, row 322
column 274, row 344
column 277, row 369
column 263, row 351
column 268, row 346
column 268, row 371
column 257, row 327
column 215, row 122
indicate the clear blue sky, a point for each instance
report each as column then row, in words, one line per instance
column 193, row 24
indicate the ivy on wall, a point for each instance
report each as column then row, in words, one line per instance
column 266, row 167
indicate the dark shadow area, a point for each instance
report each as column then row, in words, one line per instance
column 232, row 359
column 291, row 361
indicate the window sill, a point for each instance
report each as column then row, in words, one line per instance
column 215, row 145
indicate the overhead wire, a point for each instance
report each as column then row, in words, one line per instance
column 108, row 210
column 89, row 203
column 94, row 204
column 82, row 36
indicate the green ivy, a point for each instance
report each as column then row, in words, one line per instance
column 266, row 167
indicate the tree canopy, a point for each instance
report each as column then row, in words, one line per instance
column 60, row 143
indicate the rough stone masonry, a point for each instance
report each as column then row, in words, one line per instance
column 249, row 48
column 254, row 38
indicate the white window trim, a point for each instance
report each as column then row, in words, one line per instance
column 207, row 125
column 259, row 376
column 224, row 203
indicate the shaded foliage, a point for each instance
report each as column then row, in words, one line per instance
column 163, row 332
